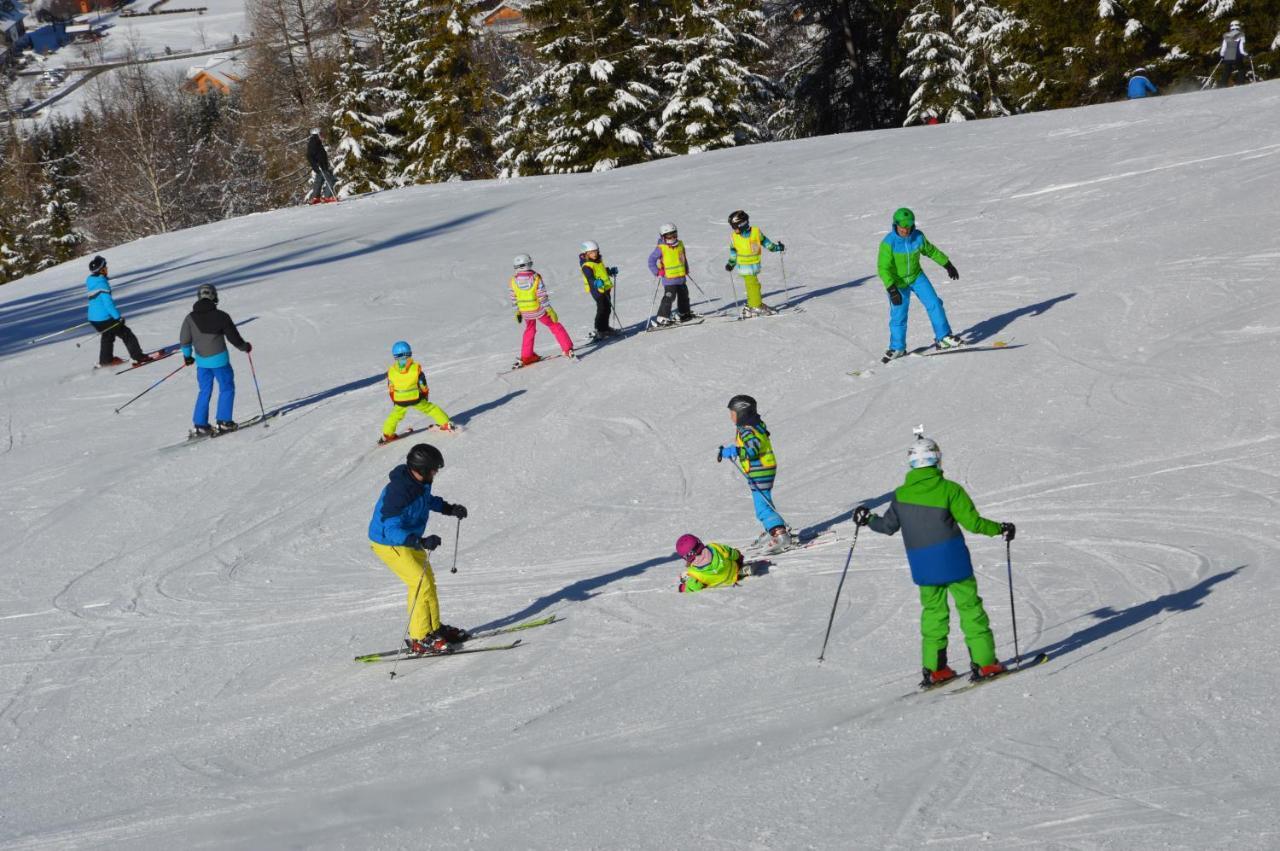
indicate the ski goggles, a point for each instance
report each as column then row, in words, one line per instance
column 672, row 237
column 692, row 556
column 401, row 360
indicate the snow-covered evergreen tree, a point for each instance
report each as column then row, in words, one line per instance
column 985, row 32
column 589, row 108
column 935, row 64
column 52, row 234
column 710, row 79
column 361, row 157
column 445, row 136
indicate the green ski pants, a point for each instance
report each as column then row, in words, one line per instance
column 935, row 622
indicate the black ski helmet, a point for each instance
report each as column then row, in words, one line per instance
column 97, row 264
column 208, row 291
column 743, row 405
column 424, row 458
column 738, row 218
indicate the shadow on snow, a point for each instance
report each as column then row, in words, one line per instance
column 988, row 328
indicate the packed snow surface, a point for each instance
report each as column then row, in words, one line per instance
column 177, row 627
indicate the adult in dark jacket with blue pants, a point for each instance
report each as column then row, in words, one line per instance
column 106, row 318
column 204, row 337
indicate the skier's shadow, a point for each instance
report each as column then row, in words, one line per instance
column 1110, row 621
column 844, row 517
column 988, row 328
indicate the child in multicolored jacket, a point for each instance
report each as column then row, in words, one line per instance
column 899, row 268
column 529, row 295
column 407, row 386
column 744, row 256
column 709, row 565
column 930, row 510
column 753, row 451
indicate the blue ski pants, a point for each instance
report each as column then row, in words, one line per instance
column 226, row 393
column 923, row 289
column 765, row 512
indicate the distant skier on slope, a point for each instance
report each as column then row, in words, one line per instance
column 318, row 158
column 597, row 280
column 395, row 535
column 1140, row 86
column 670, row 265
column 707, row 565
column 753, row 452
column 745, row 249
column 407, row 386
column 899, row 269
column 533, row 305
column 203, row 337
column 930, row 510
column 107, row 321
column 1233, row 55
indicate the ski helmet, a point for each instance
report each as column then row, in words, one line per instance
column 924, row 453
column 1139, row 70
column 668, row 229
column 688, row 547
column 208, row 291
column 424, row 458
column 1235, row 25
column 522, row 261
column 589, row 246
column 315, row 131
column 97, row 264
column 743, row 405
column 738, row 219
column 401, row 349
column 904, row 218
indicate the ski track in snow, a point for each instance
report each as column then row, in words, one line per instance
column 176, row 627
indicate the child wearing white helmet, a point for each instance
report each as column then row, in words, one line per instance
column 597, row 280
column 1233, row 54
column 670, row 265
column 533, row 305
column 930, row 510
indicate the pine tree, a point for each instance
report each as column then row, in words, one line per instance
column 53, row 235
column 395, row 85
column 589, row 107
column 986, row 34
column 935, row 63
column 446, row 139
column 710, row 77
column 361, row 157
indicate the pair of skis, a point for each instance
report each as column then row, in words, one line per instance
column 949, row 687
column 403, row 654
column 932, row 350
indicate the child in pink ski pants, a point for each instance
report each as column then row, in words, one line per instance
column 529, row 295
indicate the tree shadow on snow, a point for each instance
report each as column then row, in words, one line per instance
column 988, row 328
column 577, row 592
column 1110, row 621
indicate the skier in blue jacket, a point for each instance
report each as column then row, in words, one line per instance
column 105, row 317
column 1140, row 86
column 396, row 536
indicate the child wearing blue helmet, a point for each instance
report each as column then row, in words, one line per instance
column 407, row 386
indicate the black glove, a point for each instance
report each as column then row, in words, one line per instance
column 730, row 266
column 451, row 510
column 895, row 295
column 861, row 515
column 952, row 272
column 1007, row 531
column 519, row 317
column 188, row 360
column 778, row 246
column 719, row 454
column 248, row 347
column 613, row 271
column 429, row 543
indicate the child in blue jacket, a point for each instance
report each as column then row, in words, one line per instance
column 105, row 317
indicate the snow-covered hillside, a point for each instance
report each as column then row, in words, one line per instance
column 177, row 627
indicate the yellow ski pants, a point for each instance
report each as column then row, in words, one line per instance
column 414, row 570
column 431, row 409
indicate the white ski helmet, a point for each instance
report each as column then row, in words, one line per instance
column 315, row 131
column 667, row 228
column 590, row 245
column 1235, row 25
column 924, row 453
column 522, row 261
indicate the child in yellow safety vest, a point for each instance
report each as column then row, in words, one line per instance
column 597, row 280
column 745, row 250
column 407, row 386
column 708, row 565
column 529, row 296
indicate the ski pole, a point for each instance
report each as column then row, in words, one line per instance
column 55, row 334
column 1208, row 81
column 453, row 568
column 412, row 609
column 657, row 285
column 839, row 588
column 254, row 373
column 333, row 193
column 115, row 324
column 1008, row 547
column 152, row 387
column 782, row 258
column 733, row 288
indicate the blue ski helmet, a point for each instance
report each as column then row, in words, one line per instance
column 401, row 349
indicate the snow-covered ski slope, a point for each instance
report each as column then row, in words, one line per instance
column 177, row 628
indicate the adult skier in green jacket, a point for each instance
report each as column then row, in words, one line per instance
column 930, row 510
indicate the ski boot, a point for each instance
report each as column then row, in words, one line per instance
column 532, row 359
column 200, row 431
column 663, row 321
column 986, row 672
column 688, row 317
column 893, row 354
column 433, row 644
column 779, row 540
column 449, row 426
column 387, row 438
column 940, row 675
column 452, row 634
column 571, row 354
column 225, row 426
column 146, row 359
column 113, row 362
column 950, row 341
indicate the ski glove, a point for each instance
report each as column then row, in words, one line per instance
column 728, row 453
column 778, row 246
column 952, row 272
column 1007, row 531
column 188, row 360
column 612, row 270
column 861, row 515
column 429, row 543
column 682, row 580
column 730, row 266
column 248, row 347
column 519, row 316
column 895, row 296
column 451, row 510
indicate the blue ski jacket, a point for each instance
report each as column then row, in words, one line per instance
column 101, row 306
column 400, row 515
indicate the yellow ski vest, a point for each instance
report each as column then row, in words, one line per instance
column 404, row 383
column 600, row 273
column 525, row 289
column 748, row 247
column 673, row 260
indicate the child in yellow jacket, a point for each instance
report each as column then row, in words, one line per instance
column 407, row 386
column 708, row 565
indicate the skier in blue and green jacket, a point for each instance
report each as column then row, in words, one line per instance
column 930, row 510
column 753, row 453
column 899, row 268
